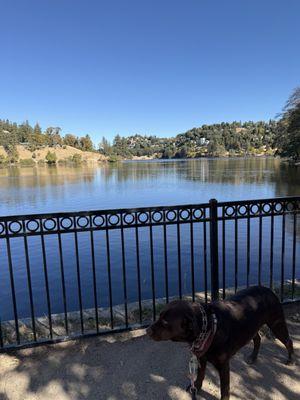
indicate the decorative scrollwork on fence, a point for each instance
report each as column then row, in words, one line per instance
column 260, row 208
column 72, row 222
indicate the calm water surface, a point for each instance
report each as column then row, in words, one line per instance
column 143, row 183
column 133, row 184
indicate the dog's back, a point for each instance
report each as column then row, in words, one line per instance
column 243, row 314
column 256, row 302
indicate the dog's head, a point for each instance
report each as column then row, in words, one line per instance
column 177, row 321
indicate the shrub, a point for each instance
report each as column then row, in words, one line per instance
column 77, row 158
column 51, row 158
column 113, row 158
column 12, row 153
column 3, row 159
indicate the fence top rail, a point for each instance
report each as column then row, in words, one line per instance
column 286, row 199
column 114, row 211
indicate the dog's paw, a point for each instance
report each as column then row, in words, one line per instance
column 290, row 362
column 251, row 360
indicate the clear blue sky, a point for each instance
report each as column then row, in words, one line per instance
column 152, row 67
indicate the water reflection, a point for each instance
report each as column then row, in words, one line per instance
column 234, row 171
column 146, row 183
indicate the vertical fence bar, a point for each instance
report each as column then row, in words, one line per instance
column 152, row 273
column 45, row 267
column 248, row 248
column 1, row 335
column 224, row 253
column 271, row 251
column 192, row 255
column 236, row 251
column 282, row 257
column 179, row 257
column 205, row 256
column 62, row 275
column 94, row 276
column 166, row 262
column 124, row 272
column 12, row 284
column 214, row 252
column 294, row 255
column 259, row 248
column 109, row 274
column 138, row 268
column 28, row 271
column 78, row 277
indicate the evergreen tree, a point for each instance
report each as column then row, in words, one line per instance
column 71, row 140
column 86, row 143
column 288, row 137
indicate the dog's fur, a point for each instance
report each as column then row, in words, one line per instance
column 239, row 320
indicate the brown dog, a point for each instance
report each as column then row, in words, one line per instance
column 229, row 325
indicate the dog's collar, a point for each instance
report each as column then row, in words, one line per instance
column 202, row 343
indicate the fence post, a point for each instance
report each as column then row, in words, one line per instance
column 214, row 251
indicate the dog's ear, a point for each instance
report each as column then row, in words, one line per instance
column 188, row 324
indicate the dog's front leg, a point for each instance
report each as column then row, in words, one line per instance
column 201, row 373
column 224, row 372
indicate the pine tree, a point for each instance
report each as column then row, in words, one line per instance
column 288, row 137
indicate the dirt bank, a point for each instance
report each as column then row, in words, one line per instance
column 62, row 153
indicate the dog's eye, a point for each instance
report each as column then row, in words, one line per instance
column 164, row 323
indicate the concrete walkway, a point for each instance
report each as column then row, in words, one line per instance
column 131, row 366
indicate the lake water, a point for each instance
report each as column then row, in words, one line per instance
column 143, row 183
column 134, row 184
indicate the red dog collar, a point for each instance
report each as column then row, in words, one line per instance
column 201, row 345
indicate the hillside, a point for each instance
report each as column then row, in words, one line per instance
column 224, row 139
column 29, row 144
column 64, row 154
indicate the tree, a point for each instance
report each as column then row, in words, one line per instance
column 104, row 146
column 86, row 143
column 24, row 132
column 71, row 140
column 53, row 136
column 182, row 153
column 37, row 138
column 167, row 153
column 288, row 136
column 12, row 153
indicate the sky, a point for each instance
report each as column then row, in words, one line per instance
column 156, row 67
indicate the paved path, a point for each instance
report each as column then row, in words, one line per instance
column 130, row 367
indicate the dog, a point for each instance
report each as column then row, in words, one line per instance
column 216, row 331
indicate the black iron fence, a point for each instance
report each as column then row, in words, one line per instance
column 75, row 274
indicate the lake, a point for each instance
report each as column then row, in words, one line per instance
column 143, row 183
column 134, row 184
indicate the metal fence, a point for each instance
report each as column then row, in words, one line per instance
column 67, row 275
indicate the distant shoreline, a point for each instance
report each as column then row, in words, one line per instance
column 85, row 163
